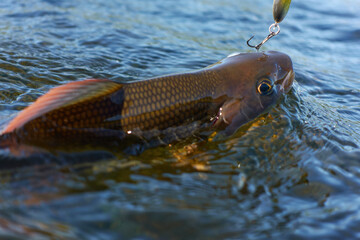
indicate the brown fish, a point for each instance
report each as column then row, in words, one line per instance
column 226, row 95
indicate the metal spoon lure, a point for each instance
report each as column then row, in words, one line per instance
column 280, row 9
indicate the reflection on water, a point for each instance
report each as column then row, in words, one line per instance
column 293, row 173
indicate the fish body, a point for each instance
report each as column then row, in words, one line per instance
column 225, row 95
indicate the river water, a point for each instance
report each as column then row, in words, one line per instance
column 291, row 174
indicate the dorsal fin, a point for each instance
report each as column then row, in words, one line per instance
column 63, row 96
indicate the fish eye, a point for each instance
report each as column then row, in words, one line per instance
column 265, row 87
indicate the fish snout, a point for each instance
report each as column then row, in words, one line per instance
column 285, row 70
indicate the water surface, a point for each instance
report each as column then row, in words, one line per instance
column 291, row 174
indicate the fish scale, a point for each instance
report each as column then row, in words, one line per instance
column 153, row 111
column 142, row 106
column 83, row 118
column 164, row 105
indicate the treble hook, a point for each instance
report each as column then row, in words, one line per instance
column 274, row 30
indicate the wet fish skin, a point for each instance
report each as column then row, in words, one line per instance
column 223, row 94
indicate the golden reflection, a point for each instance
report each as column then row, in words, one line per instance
column 191, row 155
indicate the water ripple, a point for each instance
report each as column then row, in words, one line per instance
column 288, row 174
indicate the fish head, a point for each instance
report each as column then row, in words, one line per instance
column 255, row 82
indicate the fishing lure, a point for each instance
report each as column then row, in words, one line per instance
column 280, row 9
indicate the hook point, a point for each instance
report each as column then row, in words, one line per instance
column 247, row 42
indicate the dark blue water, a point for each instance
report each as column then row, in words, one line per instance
column 293, row 174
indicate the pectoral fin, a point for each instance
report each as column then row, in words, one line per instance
column 230, row 109
column 232, row 114
column 236, row 122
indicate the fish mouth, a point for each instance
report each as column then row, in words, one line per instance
column 286, row 82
